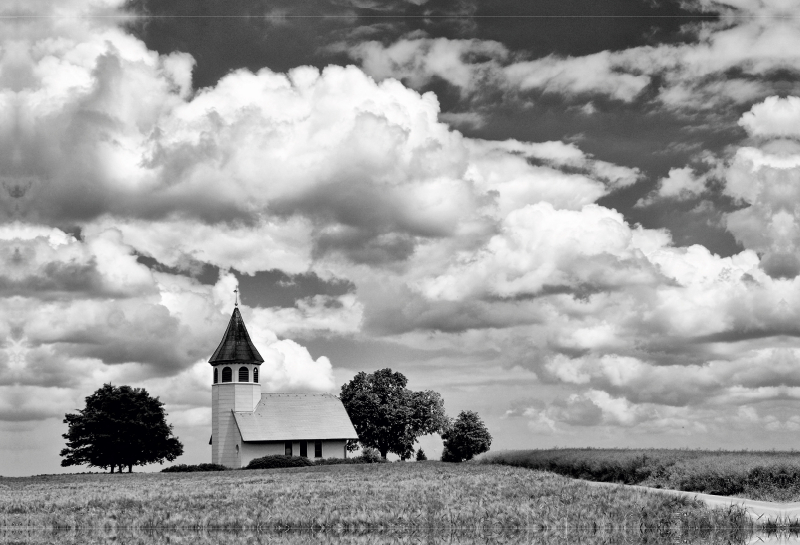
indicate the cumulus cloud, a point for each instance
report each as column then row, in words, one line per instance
column 680, row 184
column 774, row 117
column 313, row 162
column 765, row 178
column 541, row 247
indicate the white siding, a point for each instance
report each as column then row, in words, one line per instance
column 250, row 451
column 225, row 437
column 247, row 396
column 333, row 449
column 224, row 433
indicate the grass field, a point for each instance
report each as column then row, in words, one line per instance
column 353, row 499
column 328, row 538
column 770, row 476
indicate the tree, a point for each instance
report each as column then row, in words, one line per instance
column 421, row 455
column 120, row 426
column 389, row 417
column 466, row 437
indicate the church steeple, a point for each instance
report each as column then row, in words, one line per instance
column 236, row 346
column 235, row 364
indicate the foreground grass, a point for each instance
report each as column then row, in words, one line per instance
column 353, row 498
column 328, row 538
column 768, row 476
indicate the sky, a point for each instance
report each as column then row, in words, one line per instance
column 580, row 219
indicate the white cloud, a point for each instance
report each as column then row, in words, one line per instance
column 766, row 178
column 420, row 59
column 269, row 244
column 681, row 183
column 540, row 247
column 289, row 367
column 774, row 117
column 594, row 73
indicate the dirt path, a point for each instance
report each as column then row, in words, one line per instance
column 762, row 510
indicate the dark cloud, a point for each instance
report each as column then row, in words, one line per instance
column 119, row 332
column 56, row 280
column 204, row 273
column 275, row 288
column 578, row 411
column 361, row 353
column 402, row 311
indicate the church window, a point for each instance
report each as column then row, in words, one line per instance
column 215, row 375
column 304, row 449
column 244, row 374
column 317, row 449
column 287, row 448
column 255, row 374
column 227, row 375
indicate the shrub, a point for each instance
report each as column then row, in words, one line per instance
column 183, row 468
column 279, row 460
column 370, row 456
column 336, row 461
column 367, row 456
column 421, row 455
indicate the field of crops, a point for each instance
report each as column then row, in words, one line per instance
column 769, row 476
column 353, row 499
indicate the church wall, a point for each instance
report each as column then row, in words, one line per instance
column 247, row 396
column 224, row 433
column 252, row 450
column 226, row 441
column 334, row 449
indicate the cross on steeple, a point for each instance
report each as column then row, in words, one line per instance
column 236, row 291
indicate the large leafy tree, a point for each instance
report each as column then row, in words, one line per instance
column 120, row 426
column 465, row 438
column 387, row 415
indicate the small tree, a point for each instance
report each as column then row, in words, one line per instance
column 465, row 438
column 421, row 455
column 120, row 426
column 389, row 417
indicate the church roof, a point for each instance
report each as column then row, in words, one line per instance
column 286, row 417
column 236, row 346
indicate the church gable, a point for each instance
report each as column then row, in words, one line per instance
column 286, row 417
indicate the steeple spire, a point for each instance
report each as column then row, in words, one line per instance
column 236, row 291
column 236, row 346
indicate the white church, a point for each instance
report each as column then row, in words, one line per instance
column 248, row 424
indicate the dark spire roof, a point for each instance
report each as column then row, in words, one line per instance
column 236, row 346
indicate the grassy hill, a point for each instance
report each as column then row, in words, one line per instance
column 431, row 496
